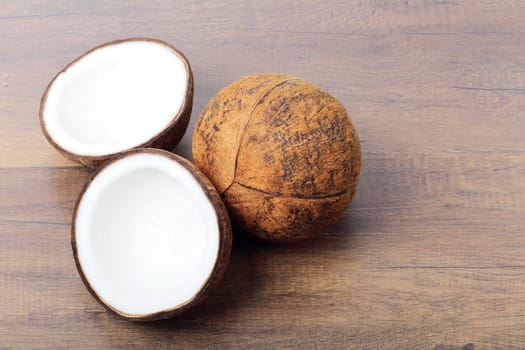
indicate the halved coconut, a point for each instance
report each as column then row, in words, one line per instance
column 118, row 96
column 150, row 235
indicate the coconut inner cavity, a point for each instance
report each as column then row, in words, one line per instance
column 147, row 236
column 116, row 97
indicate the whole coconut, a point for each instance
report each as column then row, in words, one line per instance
column 283, row 154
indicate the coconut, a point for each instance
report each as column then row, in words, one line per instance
column 283, row 153
column 118, row 96
column 150, row 235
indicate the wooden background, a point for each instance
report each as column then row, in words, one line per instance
column 431, row 253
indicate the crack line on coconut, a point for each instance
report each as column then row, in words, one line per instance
column 293, row 195
column 245, row 128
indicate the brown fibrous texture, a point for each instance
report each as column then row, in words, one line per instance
column 283, row 153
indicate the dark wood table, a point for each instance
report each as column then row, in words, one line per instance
column 431, row 253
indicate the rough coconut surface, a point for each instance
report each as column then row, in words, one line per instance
column 282, row 152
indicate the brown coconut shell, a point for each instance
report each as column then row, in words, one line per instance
column 283, row 153
column 225, row 239
column 166, row 139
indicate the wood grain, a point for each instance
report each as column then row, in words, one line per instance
column 429, row 256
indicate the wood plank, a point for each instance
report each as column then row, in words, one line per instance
column 443, row 84
column 334, row 293
column 405, row 194
column 428, row 256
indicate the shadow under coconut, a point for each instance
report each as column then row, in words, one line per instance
column 60, row 188
column 235, row 292
column 260, row 274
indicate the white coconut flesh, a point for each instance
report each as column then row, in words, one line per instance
column 147, row 235
column 115, row 98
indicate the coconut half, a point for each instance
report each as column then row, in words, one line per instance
column 118, row 96
column 150, row 235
